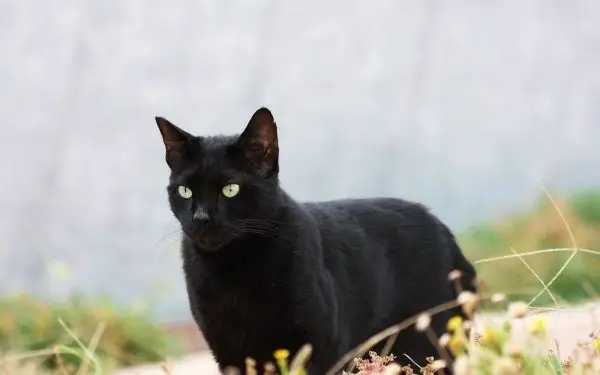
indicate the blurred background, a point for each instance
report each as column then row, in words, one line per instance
column 465, row 106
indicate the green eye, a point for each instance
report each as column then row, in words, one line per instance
column 231, row 190
column 184, row 192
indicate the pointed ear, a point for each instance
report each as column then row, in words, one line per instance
column 259, row 143
column 176, row 142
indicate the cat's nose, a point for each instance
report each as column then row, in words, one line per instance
column 201, row 215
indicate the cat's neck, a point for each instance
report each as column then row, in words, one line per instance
column 252, row 261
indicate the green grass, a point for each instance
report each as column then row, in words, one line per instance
column 120, row 337
column 541, row 227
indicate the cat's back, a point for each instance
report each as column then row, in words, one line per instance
column 380, row 228
column 370, row 212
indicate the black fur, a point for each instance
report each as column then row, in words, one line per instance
column 266, row 272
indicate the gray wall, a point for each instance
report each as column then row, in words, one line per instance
column 463, row 105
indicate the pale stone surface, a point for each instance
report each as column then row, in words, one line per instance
column 196, row 364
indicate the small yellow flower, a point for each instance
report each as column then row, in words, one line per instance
column 454, row 323
column 489, row 334
column 596, row 343
column 538, row 325
column 457, row 345
column 281, row 357
column 281, row 354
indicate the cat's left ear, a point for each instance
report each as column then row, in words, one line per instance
column 176, row 142
column 259, row 143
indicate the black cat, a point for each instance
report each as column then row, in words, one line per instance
column 265, row 272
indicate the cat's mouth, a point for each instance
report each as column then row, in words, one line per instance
column 208, row 242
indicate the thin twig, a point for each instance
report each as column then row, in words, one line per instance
column 536, row 252
column 537, row 277
column 573, row 242
column 92, row 347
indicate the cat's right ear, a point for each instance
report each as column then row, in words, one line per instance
column 176, row 142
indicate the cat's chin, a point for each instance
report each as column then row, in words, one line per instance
column 208, row 244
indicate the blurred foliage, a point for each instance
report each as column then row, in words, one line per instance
column 541, row 228
column 128, row 337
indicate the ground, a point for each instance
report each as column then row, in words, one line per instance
column 566, row 327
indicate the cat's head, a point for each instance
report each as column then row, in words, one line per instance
column 223, row 187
